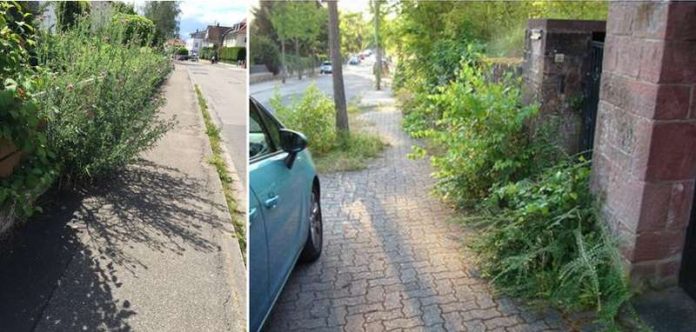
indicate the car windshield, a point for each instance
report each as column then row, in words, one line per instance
column 326, row 64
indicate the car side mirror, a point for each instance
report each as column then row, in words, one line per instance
column 293, row 143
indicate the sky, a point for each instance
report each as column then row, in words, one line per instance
column 197, row 14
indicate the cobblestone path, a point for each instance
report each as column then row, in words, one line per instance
column 391, row 260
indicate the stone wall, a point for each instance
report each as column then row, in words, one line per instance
column 644, row 162
column 556, row 62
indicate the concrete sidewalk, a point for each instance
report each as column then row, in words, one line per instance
column 151, row 249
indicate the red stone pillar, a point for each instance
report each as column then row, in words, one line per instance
column 645, row 145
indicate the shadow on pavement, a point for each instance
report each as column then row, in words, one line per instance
column 68, row 258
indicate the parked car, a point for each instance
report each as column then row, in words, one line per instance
column 354, row 60
column 285, row 222
column 325, row 68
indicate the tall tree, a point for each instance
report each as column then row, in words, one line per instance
column 377, row 17
column 337, row 70
column 165, row 16
column 354, row 32
column 297, row 22
column 69, row 12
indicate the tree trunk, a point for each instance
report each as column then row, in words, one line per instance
column 378, row 56
column 337, row 70
column 283, row 70
column 299, row 62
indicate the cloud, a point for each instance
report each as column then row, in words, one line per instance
column 225, row 12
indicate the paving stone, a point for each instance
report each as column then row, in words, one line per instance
column 391, row 259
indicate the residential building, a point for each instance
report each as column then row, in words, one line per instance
column 237, row 36
column 195, row 43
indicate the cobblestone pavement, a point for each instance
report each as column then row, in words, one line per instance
column 391, row 260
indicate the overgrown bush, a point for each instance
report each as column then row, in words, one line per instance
column 265, row 52
column 101, row 99
column 480, row 127
column 541, row 239
column 313, row 115
column 135, row 28
column 20, row 119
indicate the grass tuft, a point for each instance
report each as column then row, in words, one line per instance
column 222, row 169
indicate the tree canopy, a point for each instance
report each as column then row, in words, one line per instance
column 164, row 14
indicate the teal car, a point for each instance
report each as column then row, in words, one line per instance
column 285, row 223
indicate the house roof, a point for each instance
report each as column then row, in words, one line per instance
column 175, row 42
column 216, row 32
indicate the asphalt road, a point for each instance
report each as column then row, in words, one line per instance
column 357, row 80
column 225, row 90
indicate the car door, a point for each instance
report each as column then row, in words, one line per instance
column 281, row 197
column 259, row 296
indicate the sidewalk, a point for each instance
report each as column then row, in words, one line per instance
column 149, row 250
column 391, row 259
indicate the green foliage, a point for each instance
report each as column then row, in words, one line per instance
column 313, row 115
column 181, row 51
column 135, row 28
column 101, row 99
column 232, row 54
column 123, row 8
column 356, row 33
column 480, row 127
column 264, row 51
column 68, row 13
column 164, row 15
column 350, row 152
column 20, row 118
column 541, row 239
column 206, row 53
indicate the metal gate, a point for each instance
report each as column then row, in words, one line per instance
column 591, row 97
column 687, row 276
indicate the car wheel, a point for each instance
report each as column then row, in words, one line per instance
column 312, row 248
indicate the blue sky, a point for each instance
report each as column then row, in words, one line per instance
column 201, row 13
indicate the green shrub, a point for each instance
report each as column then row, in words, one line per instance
column 19, row 116
column 265, row 52
column 206, row 53
column 101, row 99
column 182, row 51
column 541, row 239
column 135, row 28
column 481, row 128
column 232, row 54
column 314, row 115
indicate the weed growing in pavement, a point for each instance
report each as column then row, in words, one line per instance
column 314, row 115
column 541, row 239
column 218, row 161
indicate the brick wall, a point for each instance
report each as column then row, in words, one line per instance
column 556, row 62
column 644, row 161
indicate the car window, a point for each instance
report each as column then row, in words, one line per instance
column 259, row 142
column 272, row 127
column 327, row 63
